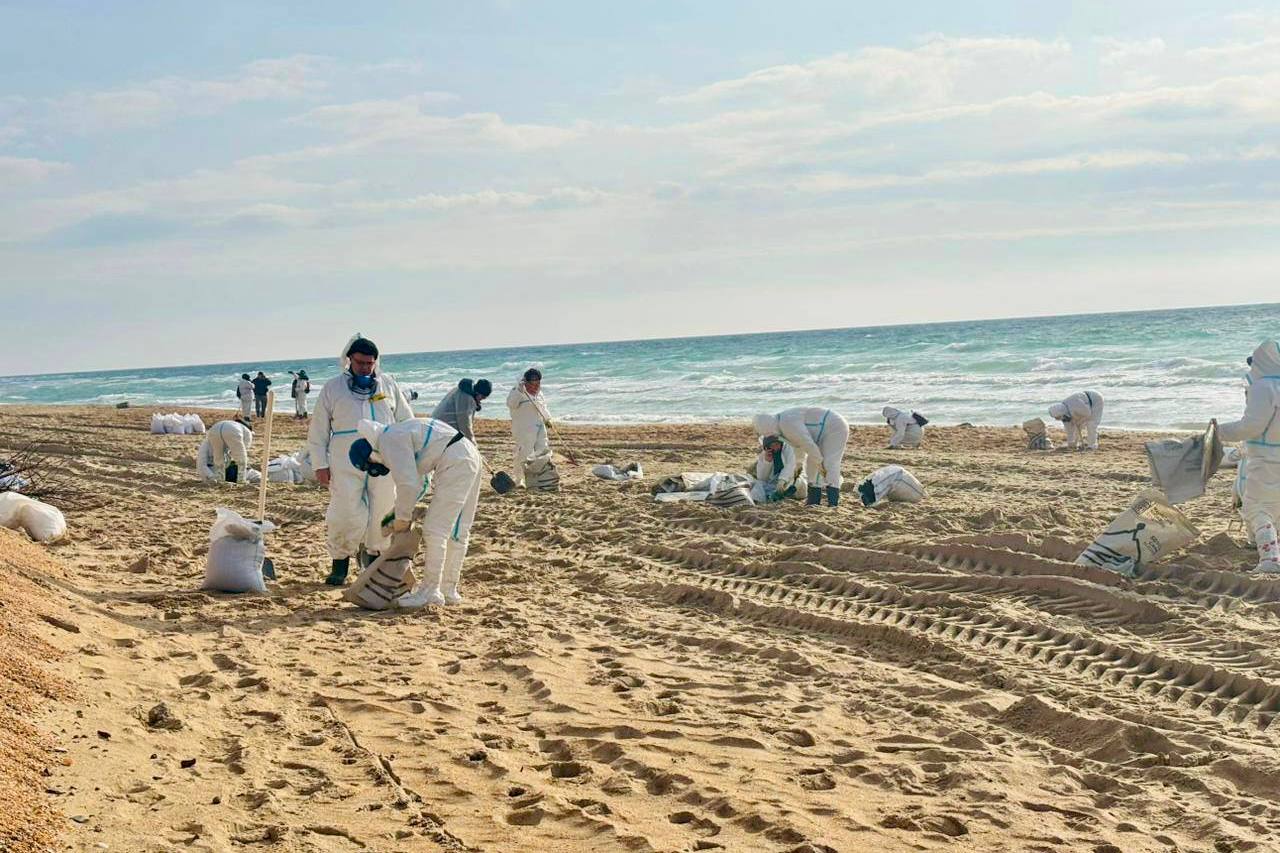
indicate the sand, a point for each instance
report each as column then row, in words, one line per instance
column 632, row 676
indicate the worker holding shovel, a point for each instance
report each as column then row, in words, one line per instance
column 530, row 421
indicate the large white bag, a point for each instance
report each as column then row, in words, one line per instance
column 1148, row 530
column 157, row 423
column 388, row 577
column 892, row 483
column 42, row 522
column 540, row 474
column 1180, row 468
column 236, row 550
column 194, row 424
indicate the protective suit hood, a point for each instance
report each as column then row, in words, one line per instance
column 1266, row 361
column 766, row 425
column 344, row 363
column 371, row 431
column 889, row 413
column 1058, row 411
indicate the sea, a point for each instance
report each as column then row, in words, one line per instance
column 1155, row 370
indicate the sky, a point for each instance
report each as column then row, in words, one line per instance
column 190, row 182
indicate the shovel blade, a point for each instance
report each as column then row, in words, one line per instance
column 502, row 482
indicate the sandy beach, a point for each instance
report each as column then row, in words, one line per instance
column 632, row 676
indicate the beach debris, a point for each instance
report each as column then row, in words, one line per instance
column 123, row 405
column 187, row 763
column 627, row 471
column 141, row 565
column 890, row 483
column 69, row 627
column 1149, row 529
column 40, row 471
column 160, row 717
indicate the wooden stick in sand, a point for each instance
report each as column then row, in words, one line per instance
column 266, row 458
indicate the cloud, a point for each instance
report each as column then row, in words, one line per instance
column 27, row 170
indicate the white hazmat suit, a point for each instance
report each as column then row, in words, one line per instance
column 529, row 419
column 245, row 392
column 419, row 452
column 1259, row 476
column 781, row 471
column 357, row 502
column 301, row 388
column 819, row 437
column 907, row 432
column 1080, row 415
column 228, row 442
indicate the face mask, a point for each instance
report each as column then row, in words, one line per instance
column 364, row 383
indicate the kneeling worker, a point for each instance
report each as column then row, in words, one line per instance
column 229, row 443
column 908, row 427
column 410, row 452
column 779, row 469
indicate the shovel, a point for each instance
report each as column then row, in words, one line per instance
column 500, row 480
column 268, row 567
column 573, row 460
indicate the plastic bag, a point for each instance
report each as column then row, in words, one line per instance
column 892, row 483
column 195, row 424
column 1149, row 529
column 388, row 577
column 41, row 521
column 157, row 424
column 1180, row 468
column 1037, row 434
column 632, row 471
column 237, row 547
column 731, row 494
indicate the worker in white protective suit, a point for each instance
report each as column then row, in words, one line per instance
column 530, row 420
column 301, row 388
column 778, row 467
column 228, row 442
column 819, row 437
column 1259, row 477
column 1080, row 415
column 244, row 391
column 356, row 502
column 413, row 454
column 908, row 427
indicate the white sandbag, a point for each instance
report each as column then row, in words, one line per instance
column 689, row 481
column 1231, row 457
column 237, row 547
column 730, row 495
column 890, row 483
column 41, row 521
column 174, row 424
column 1037, row 434
column 388, row 577
column 195, row 424
column 13, row 482
column 1180, row 468
column 157, row 424
column 308, row 471
column 540, row 474
column 1149, row 529
column 284, row 469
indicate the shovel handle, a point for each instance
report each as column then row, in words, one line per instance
column 266, row 458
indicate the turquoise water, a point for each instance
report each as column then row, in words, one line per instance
column 1154, row 369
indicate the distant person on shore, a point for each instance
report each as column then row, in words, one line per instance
column 458, row 408
column 299, row 391
column 261, row 384
column 819, row 436
column 530, row 419
column 908, row 427
column 244, row 391
column 1259, row 430
column 357, row 502
column 1080, row 415
column 229, row 443
column 409, row 453
column 778, row 467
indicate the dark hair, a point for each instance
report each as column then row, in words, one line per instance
column 465, row 386
column 533, row 374
column 244, row 376
column 364, row 346
column 483, row 388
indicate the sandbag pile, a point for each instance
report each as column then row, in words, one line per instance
column 1149, row 529
column 237, row 548
column 41, row 521
column 176, row 424
column 890, row 483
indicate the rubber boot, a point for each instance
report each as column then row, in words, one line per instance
column 338, row 576
column 814, row 497
column 367, row 558
column 833, row 496
column 426, row 592
column 1268, row 549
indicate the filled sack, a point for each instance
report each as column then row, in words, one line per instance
column 1037, row 434
column 540, row 474
column 1149, row 529
column 890, row 483
column 689, row 481
column 631, row 471
column 1181, row 468
column 195, row 426
column 41, row 521
column 237, row 547
column 388, row 577
column 157, row 424
column 1231, row 457
column 731, row 495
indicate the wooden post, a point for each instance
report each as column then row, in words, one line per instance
column 266, row 457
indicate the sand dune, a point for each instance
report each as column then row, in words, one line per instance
column 633, row 676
